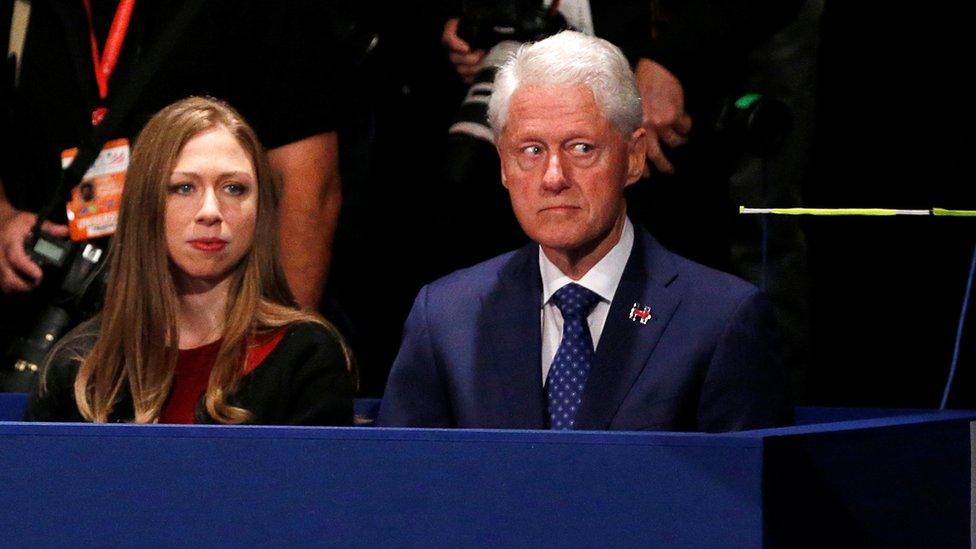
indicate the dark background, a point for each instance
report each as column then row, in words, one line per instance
column 895, row 130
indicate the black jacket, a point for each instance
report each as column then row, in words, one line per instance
column 304, row 381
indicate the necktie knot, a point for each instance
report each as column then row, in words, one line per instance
column 574, row 300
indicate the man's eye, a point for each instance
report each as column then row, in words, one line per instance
column 532, row 150
column 181, row 188
column 583, row 148
column 235, row 189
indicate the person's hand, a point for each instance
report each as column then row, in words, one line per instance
column 465, row 60
column 665, row 118
column 18, row 273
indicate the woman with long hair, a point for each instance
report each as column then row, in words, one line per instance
column 198, row 324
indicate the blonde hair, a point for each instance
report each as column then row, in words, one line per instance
column 138, row 341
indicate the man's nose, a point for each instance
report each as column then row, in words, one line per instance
column 554, row 180
column 209, row 212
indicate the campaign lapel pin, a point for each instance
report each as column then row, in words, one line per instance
column 639, row 313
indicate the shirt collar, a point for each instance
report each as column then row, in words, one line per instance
column 602, row 279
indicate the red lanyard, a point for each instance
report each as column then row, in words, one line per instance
column 104, row 63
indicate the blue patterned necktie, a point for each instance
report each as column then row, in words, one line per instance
column 571, row 366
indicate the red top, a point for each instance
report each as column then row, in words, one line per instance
column 193, row 372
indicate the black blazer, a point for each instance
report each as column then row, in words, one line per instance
column 304, row 381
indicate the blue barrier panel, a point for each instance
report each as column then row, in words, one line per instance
column 12, row 406
column 128, row 484
column 886, row 482
column 896, row 480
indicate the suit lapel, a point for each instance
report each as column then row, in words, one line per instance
column 510, row 346
column 626, row 344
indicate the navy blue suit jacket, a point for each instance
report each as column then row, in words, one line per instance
column 471, row 351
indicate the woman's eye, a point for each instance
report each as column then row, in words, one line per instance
column 181, row 188
column 235, row 189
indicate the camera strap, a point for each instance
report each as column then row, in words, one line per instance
column 119, row 108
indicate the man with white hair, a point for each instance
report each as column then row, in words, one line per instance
column 594, row 325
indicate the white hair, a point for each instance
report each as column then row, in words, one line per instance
column 570, row 59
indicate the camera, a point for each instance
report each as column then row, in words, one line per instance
column 499, row 28
column 486, row 23
column 76, row 269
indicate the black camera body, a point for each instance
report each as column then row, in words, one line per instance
column 499, row 28
column 483, row 24
column 76, row 268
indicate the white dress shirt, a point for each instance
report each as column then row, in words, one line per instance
column 602, row 280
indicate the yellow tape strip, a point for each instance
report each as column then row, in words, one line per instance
column 941, row 212
column 831, row 211
column 953, row 213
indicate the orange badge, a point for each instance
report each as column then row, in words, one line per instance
column 94, row 207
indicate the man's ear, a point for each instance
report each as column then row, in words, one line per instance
column 636, row 155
